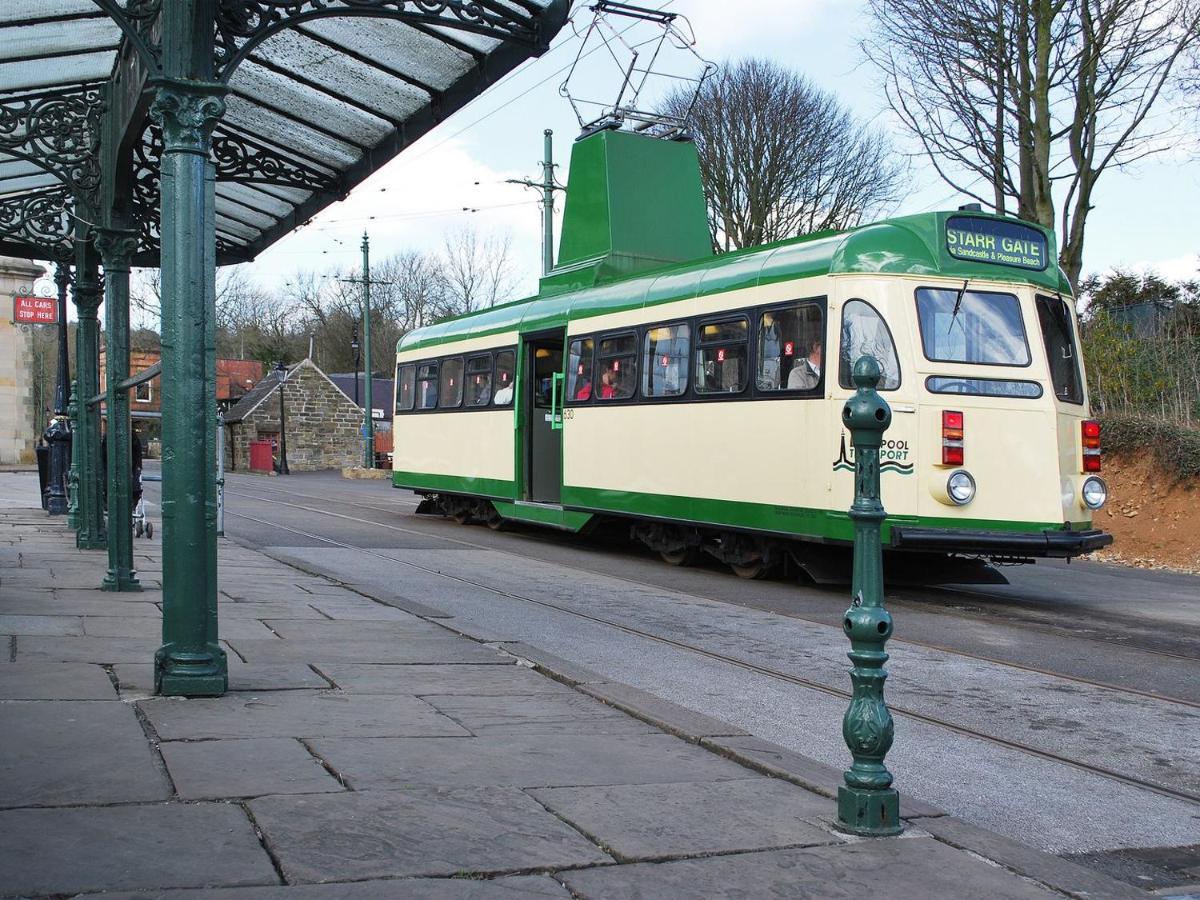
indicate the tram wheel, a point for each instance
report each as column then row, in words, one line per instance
column 461, row 516
column 684, row 556
column 749, row 571
column 495, row 521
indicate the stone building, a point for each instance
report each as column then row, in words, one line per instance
column 19, row 422
column 322, row 422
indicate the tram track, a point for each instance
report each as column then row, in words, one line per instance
column 925, row 645
column 766, row 671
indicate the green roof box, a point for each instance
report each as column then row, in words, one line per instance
column 634, row 203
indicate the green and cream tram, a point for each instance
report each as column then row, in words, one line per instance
column 698, row 397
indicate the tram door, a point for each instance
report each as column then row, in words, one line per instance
column 543, row 441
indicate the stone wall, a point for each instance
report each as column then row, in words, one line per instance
column 19, row 427
column 322, row 424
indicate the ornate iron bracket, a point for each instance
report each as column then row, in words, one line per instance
column 58, row 132
column 40, row 219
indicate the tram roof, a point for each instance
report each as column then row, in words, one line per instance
column 907, row 245
column 320, row 96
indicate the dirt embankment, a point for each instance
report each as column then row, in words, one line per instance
column 1154, row 518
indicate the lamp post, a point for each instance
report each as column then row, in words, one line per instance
column 354, row 345
column 281, row 374
column 58, row 434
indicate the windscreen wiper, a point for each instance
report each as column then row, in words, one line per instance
column 957, row 305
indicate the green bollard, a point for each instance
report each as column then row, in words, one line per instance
column 867, row 803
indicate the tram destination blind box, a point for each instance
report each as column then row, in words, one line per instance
column 996, row 241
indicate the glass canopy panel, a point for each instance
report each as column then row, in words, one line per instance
column 58, row 38
column 235, row 208
column 396, row 47
column 254, row 199
column 480, row 42
column 63, row 71
column 21, row 183
column 315, row 108
column 255, row 119
column 239, row 230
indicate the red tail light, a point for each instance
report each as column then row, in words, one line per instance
column 1090, row 429
column 952, row 438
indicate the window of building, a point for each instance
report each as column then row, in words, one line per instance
column 579, row 369
column 791, row 345
column 450, row 391
column 406, row 383
column 665, row 353
column 143, row 393
column 479, row 380
column 617, row 367
column 979, row 327
column 722, row 356
column 427, row 385
column 1059, row 337
column 506, row 366
column 865, row 333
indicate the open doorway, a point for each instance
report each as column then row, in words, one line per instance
column 543, row 441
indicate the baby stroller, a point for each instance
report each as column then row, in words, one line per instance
column 142, row 526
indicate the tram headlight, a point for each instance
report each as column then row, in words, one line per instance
column 960, row 487
column 1094, row 493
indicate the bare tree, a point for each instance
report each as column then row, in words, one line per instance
column 476, row 273
column 780, row 157
column 1017, row 101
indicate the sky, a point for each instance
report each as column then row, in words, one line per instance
column 1143, row 217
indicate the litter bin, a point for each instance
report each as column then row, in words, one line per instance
column 261, row 457
column 43, row 464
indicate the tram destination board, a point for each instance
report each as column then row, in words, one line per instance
column 996, row 241
column 35, row 310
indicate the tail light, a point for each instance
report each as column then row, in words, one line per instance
column 952, row 438
column 1091, row 445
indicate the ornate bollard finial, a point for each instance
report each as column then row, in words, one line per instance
column 867, row 803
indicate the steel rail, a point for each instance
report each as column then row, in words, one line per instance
column 951, row 592
column 1103, row 771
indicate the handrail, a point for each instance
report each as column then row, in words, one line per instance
column 133, row 381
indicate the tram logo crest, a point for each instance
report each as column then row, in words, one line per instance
column 893, row 457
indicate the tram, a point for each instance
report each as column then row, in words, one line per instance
column 697, row 398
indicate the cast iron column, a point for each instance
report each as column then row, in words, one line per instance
column 368, row 384
column 91, row 534
column 73, row 474
column 116, row 246
column 187, row 106
column 867, row 803
column 58, row 434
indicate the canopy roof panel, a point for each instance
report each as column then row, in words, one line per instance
column 321, row 94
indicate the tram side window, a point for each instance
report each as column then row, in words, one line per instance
column 450, row 391
column 791, row 345
column 1059, row 337
column 406, row 382
column 479, row 380
column 579, row 369
column 618, row 367
column 427, row 385
column 721, row 357
column 865, row 333
column 980, row 327
column 506, row 366
column 665, row 360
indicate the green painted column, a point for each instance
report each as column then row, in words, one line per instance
column 73, row 472
column 116, row 246
column 867, row 803
column 187, row 106
column 91, row 534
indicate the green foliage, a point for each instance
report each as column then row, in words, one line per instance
column 1175, row 448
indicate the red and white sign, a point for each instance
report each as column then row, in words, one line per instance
column 35, row 310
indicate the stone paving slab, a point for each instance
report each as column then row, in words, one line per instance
column 26, row 603
column 413, row 650
column 351, row 630
column 356, row 608
column 138, row 679
column 55, row 681
column 654, row 821
column 386, row 834
column 64, row 851
column 523, row 760
column 481, row 681
column 897, row 868
column 151, row 627
column 663, row 713
column 45, row 625
column 106, row 651
column 509, row 888
column 206, row 770
column 536, row 713
column 71, row 752
column 300, row 714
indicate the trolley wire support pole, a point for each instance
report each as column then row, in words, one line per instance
column 547, row 186
column 58, row 433
column 188, row 103
column 867, row 803
column 368, row 428
column 116, row 246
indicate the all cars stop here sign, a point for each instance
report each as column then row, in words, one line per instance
column 35, row 310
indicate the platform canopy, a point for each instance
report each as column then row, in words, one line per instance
column 321, row 93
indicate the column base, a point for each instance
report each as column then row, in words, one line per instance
column 870, row 813
column 90, row 542
column 120, row 581
column 183, row 674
